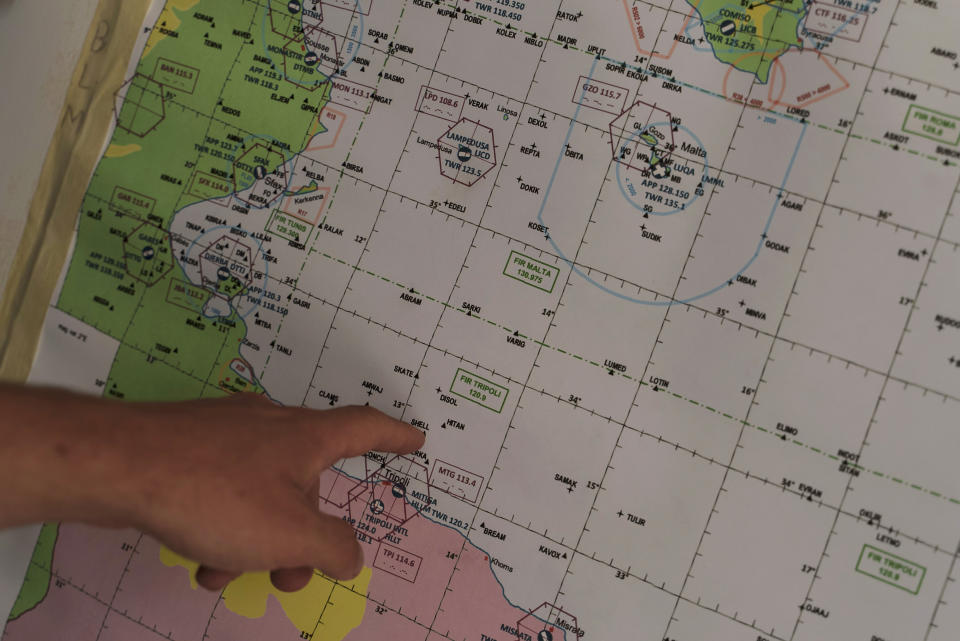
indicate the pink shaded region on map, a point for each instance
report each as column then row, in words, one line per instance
column 66, row 614
column 380, row 624
column 273, row 625
column 120, row 628
column 160, row 596
column 92, row 558
column 418, row 537
column 413, row 564
column 474, row 602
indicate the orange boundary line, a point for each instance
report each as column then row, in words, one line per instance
column 336, row 136
column 836, row 72
column 733, row 67
column 776, row 63
column 289, row 201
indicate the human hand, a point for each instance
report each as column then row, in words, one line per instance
column 231, row 483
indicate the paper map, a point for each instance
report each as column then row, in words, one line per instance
column 670, row 285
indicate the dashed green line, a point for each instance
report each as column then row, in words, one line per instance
column 728, row 416
column 659, row 76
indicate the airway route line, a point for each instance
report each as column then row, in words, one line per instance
column 680, row 397
column 654, row 388
column 637, row 31
column 691, row 86
column 742, row 324
column 811, row 448
column 658, row 438
column 724, row 171
column 669, row 302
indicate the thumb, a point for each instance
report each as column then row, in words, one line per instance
column 324, row 542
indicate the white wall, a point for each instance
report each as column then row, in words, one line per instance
column 39, row 44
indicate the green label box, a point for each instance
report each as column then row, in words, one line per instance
column 289, row 227
column 531, row 271
column 932, row 124
column 891, row 569
column 479, row 390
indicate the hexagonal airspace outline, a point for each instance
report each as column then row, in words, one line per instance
column 236, row 166
column 618, row 133
column 382, row 493
column 147, row 253
column 123, row 98
column 536, row 624
column 212, row 282
column 441, row 145
column 306, row 46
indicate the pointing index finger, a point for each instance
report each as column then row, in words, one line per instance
column 357, row 430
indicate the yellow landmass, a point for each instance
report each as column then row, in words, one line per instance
column 248, row 597
column 759, row 14
column 168, row 16
column 306, row 189
column 119, row 151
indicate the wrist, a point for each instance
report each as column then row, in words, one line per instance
column 60, row 459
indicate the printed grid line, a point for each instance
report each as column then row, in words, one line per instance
column 641, row 383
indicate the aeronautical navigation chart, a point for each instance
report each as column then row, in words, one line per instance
column 671, row 286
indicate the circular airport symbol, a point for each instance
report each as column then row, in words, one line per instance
column 293, row 6
column 376, row 506
column 311, row 58
column 464, row 153
column 681, row 181
column 659, row 171
column 399, row 491
column 728, row 27
column 148, row 252
column 260, row 172
column 223, row 273
column 545, row 635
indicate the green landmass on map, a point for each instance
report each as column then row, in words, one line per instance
column 211, row 84
column 216, row 79
column 751, row 34
column 37, row 580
